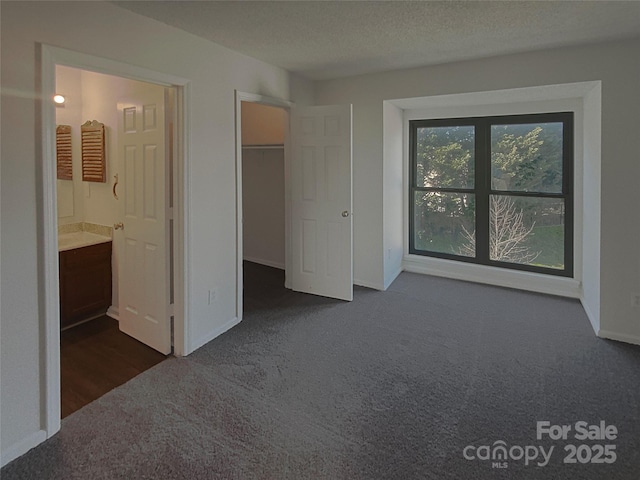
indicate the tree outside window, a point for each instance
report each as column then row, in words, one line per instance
column 494, row 190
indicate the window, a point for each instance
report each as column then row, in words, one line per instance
column 494, row 191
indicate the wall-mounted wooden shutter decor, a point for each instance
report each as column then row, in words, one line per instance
column 63, row 152
column 93, row 155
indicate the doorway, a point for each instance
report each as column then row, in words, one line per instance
column 262, row 139
column 173, row 183
column 263, row 188
column 318, row 198
column 95, row 358
column 97, row 278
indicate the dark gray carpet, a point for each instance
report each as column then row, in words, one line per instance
column 392, row 385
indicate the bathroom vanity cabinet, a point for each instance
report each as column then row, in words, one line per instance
column 85, row 282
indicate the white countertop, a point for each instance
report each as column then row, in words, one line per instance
column 69, row 241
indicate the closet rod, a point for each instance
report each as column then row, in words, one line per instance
column 262, row 147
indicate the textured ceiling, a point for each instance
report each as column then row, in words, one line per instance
column 323, row 40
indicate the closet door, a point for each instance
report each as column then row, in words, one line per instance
column 321, row 201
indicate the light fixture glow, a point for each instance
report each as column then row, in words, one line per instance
column 59, row 99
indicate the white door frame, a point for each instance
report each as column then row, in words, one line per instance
column 273, row 102
column 50, row 57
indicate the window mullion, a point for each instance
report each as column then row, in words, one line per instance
column 567, row 189
column 412, row 182
column 482, row 180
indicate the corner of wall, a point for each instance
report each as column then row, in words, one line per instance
column 392, row 187
column 591, row 203
column 390, row 276
column 216, row 332
column 302, row 90
column 592, row 315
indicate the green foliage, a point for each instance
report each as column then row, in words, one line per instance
column 445, row 157
column 527, row 157
column 441, row 219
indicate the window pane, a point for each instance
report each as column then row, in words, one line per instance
column 527, row 157
column 445, row 157
column 527, row 230
column 444, row 222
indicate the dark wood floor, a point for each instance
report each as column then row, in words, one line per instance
column 96, row 357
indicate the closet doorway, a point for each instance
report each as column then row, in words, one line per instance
column 263, row 134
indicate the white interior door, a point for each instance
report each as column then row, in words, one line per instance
column 143, row 290
column 321, row 202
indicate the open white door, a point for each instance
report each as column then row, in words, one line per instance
column 321, row 202
column 143, row 287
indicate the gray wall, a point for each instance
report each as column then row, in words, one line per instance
column 105, row 30
column 263, row 206
column 616, row 64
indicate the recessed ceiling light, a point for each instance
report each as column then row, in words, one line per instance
column 59, row 99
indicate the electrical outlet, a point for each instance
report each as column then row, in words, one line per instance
column 212, row 296
column 635, row 299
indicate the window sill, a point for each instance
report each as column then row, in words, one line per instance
column 534, row 282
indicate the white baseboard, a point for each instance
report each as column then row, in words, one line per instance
column 620, row 337
column 213, row 334
column 261, row 261
column 23, row 446
column 501, row 277
column 113, row 312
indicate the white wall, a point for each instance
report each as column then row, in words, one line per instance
column 262, row 124
column 392, row 175
column 68, row 82
column 263, row 228
column 592, row 210
column 104, row 30
column 615, row 64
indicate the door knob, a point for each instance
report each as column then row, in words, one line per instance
column 118, row 226
column 345, row 214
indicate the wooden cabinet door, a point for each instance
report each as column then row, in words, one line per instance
column 85, row 282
